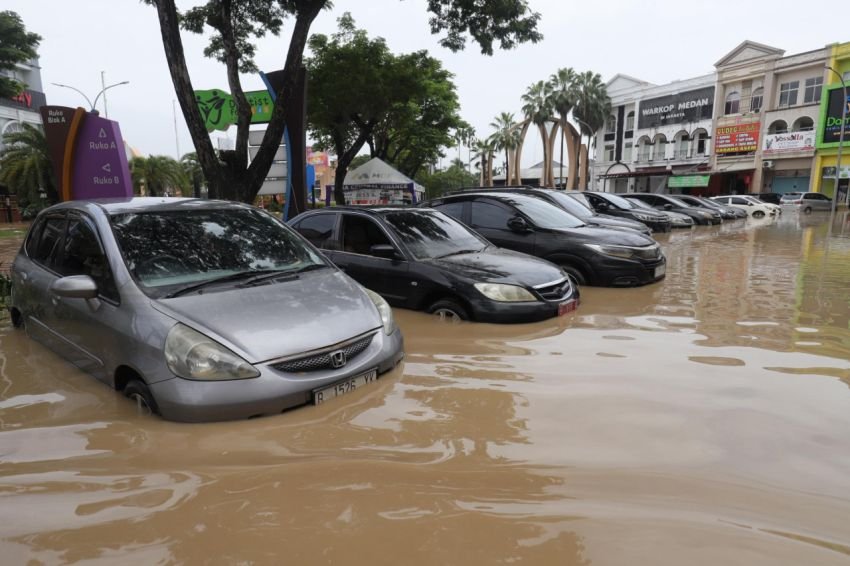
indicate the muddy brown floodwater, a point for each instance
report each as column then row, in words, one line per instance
column 702, row 420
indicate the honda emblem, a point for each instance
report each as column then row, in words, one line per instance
column 338, row 359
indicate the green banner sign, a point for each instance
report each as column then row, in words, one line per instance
column 684, row 181
column 218, row 109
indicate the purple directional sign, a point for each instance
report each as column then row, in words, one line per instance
column 100, row 162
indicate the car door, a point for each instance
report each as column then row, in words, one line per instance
column 389, row 277
column 490, row 218
column 87, row 326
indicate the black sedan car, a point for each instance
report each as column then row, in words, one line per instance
column 592, row 256
column 614, row 205
column 581, row 211
column 701, row 216
column 422, row 259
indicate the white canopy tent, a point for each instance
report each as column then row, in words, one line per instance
column 376, row 182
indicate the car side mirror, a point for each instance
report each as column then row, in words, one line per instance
column 668, row 206
column 749, row 204
column 519, row 225
column 385, row 251
column 601, row 205
column 74, row 287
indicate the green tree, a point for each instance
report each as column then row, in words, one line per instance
column 17, row 45
column 537, row 107
column 193, row 172
column 236, row 23
column 483, row 160
column 25, row 166
column 562, row 96
column 441, row 182
column 157, row 175
column 592, row 107
column 506, row 137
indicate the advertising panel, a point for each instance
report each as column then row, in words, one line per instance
column 319, row 158
column 835, row 104
column 791, row 141
column 218, row 109
column 739, row 138
column 690, row 106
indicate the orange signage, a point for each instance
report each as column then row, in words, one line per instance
column 740, row 138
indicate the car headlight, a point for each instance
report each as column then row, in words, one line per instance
column 191, row 355
column 625, row 252
column 644, row 217
column 384, row 310
column 505, row 293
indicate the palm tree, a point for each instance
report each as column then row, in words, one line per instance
column 593, row 105
column 537, row 107
column 25, row 166
column 193, row 172
column 562, row 95
column 469, row 141
column 505, row 137
column 156, row 175
column 484, row 152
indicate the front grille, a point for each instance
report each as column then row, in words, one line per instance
column 555, row 291
column 647, row 253
column 322, row 360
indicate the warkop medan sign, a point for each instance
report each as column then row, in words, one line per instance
column 690, row 106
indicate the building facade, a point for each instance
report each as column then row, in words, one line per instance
column 23, row 109
column 828, row 126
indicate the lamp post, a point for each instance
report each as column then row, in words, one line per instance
column 840, row 143
column 103, row 90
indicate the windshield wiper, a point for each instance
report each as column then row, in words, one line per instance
column 223, row 279
column 275, row 273
column 459, row 252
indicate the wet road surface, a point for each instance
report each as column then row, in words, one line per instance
column 702, row 420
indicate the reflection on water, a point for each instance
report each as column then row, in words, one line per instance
column 702, row 420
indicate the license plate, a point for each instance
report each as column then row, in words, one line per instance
column 344, row 386
column 660, row 270
column 567, row 306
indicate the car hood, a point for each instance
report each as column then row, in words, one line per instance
column 260, row 323
column 594, row 235
column 604, row 221
column 694, row 209
column 676, row 215
column 499, row 265
column 656, row 214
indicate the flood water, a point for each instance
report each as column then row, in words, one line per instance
column 702, row 420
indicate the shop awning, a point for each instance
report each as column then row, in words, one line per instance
column 683, row 181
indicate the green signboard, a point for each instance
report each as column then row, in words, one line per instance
column 684, row 181
column 218, row 109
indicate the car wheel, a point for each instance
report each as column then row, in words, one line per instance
column 575, row 274
column 807, row 210
column 448, row 310
column 17, row 318
column 137, row 391
column 758, row 214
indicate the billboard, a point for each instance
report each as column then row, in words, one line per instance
column 218, row 109
column 791, row 141
column 680, row 108
column 319, row 158
column 740, row 138
column 831, row 127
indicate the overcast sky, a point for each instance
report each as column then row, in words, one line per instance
column 658, row 41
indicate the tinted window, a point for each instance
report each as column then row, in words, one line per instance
column 453, row 209
column 168, row 248
column 582, row 199
column 545, row 215
column 739, row 200
column 82, row 254
column 572, row 206
column 318, row 229
column 34, row 236
column 489, row 215
column 617, row 201
column 360, row 233
column 673, row 200
column 639, row 204
column 48, row 244
column 433, row 234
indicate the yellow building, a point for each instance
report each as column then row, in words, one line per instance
column 828, row 129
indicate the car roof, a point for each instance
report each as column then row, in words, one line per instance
column 145, row 204
column 497, row 194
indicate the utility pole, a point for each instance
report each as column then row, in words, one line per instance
column 103, row 86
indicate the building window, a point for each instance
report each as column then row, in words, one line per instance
column 702, row 143
column 627, row 153
column 788, row 93
column 804, row 124
column 609, row 153
column 630, row 122
column 682, row 147
column 644, row 150
column 611, row 125
column 757, row 100
column 733, row 103
column 660, row 148
column 778, row 127
column 813, row 88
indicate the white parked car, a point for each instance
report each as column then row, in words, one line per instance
column 775, row 208
column 753, row 206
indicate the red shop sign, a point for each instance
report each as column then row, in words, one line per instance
column 736, row 139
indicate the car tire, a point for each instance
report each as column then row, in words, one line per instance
column 758, row 214
column 137, row 391
column 448, row 310
column 17, row 318
column 575, row 274
column 807, row 210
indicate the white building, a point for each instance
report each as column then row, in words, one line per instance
column 23, row 109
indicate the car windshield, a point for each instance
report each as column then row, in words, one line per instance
column 678, row 202
column 617, row 200
column 168, row 250
column 581, row 200
column 639, row 203
column 432, row 234
column 572, row 206
column 543, row 214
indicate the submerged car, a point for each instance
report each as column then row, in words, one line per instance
column 807, row 202
column 422, row 259
column 616, row 205
column 198, row 310
column 700, row 215
column 592, row 256
column 677, row 219
column 727, row 212
column 751, row 206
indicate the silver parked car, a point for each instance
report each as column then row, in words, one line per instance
column 806, row 202
column 198, row 310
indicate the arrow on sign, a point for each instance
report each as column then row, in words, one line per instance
column 108, row 168
column 102, row 133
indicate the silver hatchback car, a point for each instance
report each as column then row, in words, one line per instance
column 198, row 310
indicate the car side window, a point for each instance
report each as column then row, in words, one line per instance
column 82, row 254
column 360, row 233
column 46, row 246
column 319, row 228
column 34, row 236
column 739, row 201
column 489, row 215
column 453, row 209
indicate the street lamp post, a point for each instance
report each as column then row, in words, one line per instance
column 92, row 105
column 840, row 143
